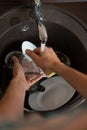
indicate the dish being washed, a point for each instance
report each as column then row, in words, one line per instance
column 29, row 67
column 27, row 45
column 57, row 93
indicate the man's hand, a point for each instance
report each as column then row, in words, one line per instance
column 45, row 60
column 18, row 74
column 15, row 94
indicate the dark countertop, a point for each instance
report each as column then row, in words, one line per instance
column 78, row 9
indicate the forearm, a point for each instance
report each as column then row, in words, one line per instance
column 12, row 104
column 75, row 78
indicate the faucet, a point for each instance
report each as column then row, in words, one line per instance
column 39, row 20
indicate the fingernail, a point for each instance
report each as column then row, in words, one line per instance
column 27, row 50
column 13, row 58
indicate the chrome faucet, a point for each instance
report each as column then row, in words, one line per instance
column 36, row 7
column 39, row 20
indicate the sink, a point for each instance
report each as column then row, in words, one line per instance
column 66, row 34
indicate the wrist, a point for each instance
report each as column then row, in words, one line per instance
column 57, row 67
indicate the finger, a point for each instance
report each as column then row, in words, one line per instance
column 32, row 77
column 37, row 51
column 17, row 66
column 16, row 63
column 15, row 59
column 32, row 54
column 50, row 48
column 33, row 81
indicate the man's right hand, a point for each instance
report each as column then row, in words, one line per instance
column 45, row 60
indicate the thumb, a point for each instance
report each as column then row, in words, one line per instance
column 15, row 59
column 32, row 54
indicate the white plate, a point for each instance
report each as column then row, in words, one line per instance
column 27, row 45
column 57, row 93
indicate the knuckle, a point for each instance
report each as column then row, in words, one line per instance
column 51, row 48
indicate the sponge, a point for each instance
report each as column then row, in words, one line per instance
column 49, row 73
